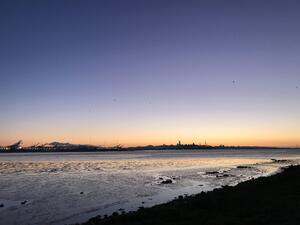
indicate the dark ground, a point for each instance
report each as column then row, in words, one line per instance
column 269, row 201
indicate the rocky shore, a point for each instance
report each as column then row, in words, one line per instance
column 270, row 200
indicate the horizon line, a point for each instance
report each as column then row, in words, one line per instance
column 19, row 143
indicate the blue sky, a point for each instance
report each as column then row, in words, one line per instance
column 150, row 72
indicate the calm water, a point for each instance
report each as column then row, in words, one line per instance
column 64, row 188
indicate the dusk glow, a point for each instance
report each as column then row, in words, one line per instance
column 150, row 72
column 153, row 112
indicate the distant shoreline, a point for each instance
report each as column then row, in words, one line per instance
column 129, row 149
column 272, row 200
column 56, row 146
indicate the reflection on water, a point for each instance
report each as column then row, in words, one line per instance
column 54, row 188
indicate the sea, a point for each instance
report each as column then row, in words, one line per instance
column 68, row 188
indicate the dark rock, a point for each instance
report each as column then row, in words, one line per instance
column 23, row 202
column 279, row 160
column 115, row 214
column 1, row 205
column 223, row 175
column 243, row 167
column 212, row 172
column 81, row 193
column 168, row 181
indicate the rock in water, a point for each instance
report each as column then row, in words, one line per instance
column 168, row 181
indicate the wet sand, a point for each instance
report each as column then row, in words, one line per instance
column 266, row 200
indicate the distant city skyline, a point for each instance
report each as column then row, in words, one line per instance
column 143, row 72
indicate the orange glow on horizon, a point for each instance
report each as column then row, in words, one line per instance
column 138, row 141
column 141, row 133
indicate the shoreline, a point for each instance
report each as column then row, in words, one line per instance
column 4, row 152
column 274, row 199
column 79, row 149
column 100, row 198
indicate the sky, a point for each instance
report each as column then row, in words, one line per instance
column 150, row 72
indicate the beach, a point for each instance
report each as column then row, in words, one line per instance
column 265, row 200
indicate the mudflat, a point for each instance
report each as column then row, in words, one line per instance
column 266, row 200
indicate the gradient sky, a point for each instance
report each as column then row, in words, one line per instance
column 150, row 72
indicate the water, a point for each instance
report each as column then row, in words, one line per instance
column 65, row 188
